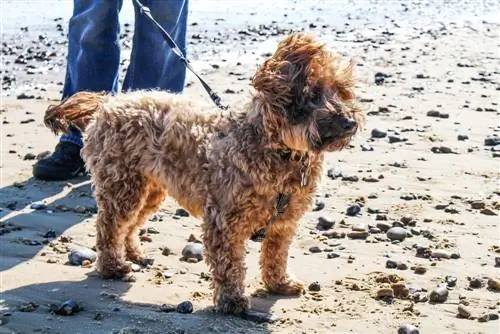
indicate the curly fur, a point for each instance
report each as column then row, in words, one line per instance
column 225, row 169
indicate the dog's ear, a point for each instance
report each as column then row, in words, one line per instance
column 286, row 80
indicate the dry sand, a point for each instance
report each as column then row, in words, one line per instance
column 433, row 57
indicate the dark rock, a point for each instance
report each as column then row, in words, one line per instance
column 315, row 249
column 476, row 283
column 378, row 133
column 353, row 210
column 408, row 329
column 439, row 295
column 69, row 307
column 185, row 307
column 451, row 281
column 325, row 223
column 314, row 286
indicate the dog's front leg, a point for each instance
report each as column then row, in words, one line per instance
column 274, row 257
column 225, row 254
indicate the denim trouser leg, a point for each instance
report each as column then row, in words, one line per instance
column 152, row 64
column 93, row 51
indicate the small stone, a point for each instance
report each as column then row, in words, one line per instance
column 451, row 281
column 478, row 205
column 28, row 307
column 318, row 206
column 494, row 284
column 166, row 251
column 168, row 308
column 325, row 223
column 29, row 156
column 439, row 254
column 439, row 295
column 462, row 137
column 359, row 227
column 146, row 238
column 315, row 249
column 488, row 317
column 69, row 307
column 463, row 312
column 384, row 227
column 135, row 267
column 193, row 250
column 488, row 212
column 77, row 256
column 358, row 234
column 80, row 209
column 181, row 213
column 408, row 329
column 378, row 133
column 397, row 233
column 38, row 206
column 185, row 307
column 476, row 283
column 332, row 255
column 314, row 286
column 385, row 293
column 402, row 266
column 353, row 210
column 391, row 264
column 420, row 270
column 374, row 230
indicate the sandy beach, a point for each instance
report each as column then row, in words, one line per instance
column 404, row 232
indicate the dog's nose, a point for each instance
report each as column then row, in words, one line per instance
column 347, row 123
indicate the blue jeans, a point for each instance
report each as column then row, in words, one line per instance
column 94, row 50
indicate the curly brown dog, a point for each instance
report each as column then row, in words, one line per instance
column 226, row 169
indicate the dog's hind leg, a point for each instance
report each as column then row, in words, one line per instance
column 155, row 196
column 119, row 202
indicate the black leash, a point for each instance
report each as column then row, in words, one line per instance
column 177, row 51
column 281, row 204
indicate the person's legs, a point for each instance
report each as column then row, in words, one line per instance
column 152, row 63
column 92, row 65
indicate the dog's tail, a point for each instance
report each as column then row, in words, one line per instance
column 75, row 111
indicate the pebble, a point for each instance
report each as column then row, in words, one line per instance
column 451, row 281
column 488, row 317
column 318, row 206
column 38, row 206
column 314, row 286
column 181, row 213
column 476, row 283
column 77, row 256
column 397, row 233
column 384, row 227
column 359, row 227
column 463, row 312
column 375, row 230
column 325, row 223
column 439, row 295
column 491, row 141
column 462, row 137
column 166, row 251
column 494, row 284
column 385, row 293
column 315, row 249
column 420, row 270
column 439, row 254
column 193, row 251
column 378, row 133
column 69, row 307
column 358, row 234
column 135, row 267
column 353, row 210
column 408, row 329
column 185, row 307
column 332, row 255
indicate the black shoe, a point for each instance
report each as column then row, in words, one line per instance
column 64, row 164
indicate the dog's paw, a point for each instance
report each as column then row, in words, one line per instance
column 108, row 271
column 232, row 305
column 287, row 288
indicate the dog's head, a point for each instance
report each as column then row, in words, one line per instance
column 305, row 97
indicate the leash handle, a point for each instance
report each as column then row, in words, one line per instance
column 177, row 51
